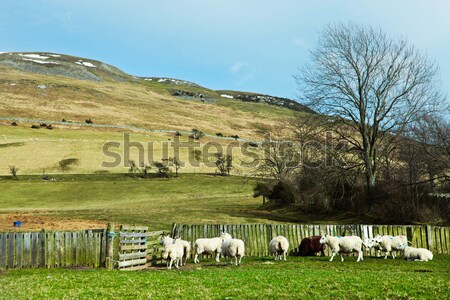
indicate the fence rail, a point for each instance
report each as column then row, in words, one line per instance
column 257, row 236
column 52, row 249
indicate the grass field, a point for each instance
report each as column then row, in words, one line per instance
column 190, row 198
column 257, row 278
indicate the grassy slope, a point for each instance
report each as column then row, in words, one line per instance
column 35, row 150
column 156, row 202
column 257, row 278
column 191, row 198
column 139, row 103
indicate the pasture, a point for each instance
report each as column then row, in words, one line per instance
column 257, row 278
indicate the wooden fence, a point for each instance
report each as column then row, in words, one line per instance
column 52, row 249
column 104, row 247
column 258, row 236
column 132, row 248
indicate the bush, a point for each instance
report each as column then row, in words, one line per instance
column 89, row 121
column 67, row 163
column 13, row 124
column 35, row 126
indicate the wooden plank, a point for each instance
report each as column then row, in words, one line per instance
column 135, row 268
column 68, row 249
column 133, row 234
column 18, row 250
column 135, row 255
column 34, row 249
column 26, row 256
column 89, row 249
column 132, row 247
column 57, row 252
column 10, row 251
column 74, row 248
column 133, row 228
column 129, row 263
column 3, row 243
column 157, row 233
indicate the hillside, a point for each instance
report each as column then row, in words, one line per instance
column 65, row 91
column 53, row 87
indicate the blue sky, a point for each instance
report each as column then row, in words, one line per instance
column 241, row 45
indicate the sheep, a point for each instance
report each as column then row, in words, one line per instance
column 279, row 246
column 173, row 253
column 415, row 254
column 213, row 245
column 345, row 244
column 233, row 248
column 371, row 243
column 389, row 243
column 167, row 240
column 309, row 246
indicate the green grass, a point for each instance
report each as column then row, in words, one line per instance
column 155, row 202
column 257, row 278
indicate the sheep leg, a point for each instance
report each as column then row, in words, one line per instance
column 176, row 263
column 342, row 258
column 379, row 253
column 332, row 256
column 387, row 254
column 170, row 265
column 394, row 254
column 359, row 256
column 284, row 255
column 276, row 256
column 218, row 257
column 196, row 258
column 240, row 257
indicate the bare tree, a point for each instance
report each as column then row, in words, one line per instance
column 177, row 165
column 13, row 170
column 224, row 163
column 371, row 84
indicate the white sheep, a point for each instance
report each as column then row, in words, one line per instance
column 213, row 245
column 345, row 244
column 173, row 253
column 167, row 240
column 415, row 254
column 278, row 247
column 233, row 248
column 371, row 243
column 389, row 243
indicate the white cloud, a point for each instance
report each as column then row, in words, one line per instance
column 300, row 43
column 242, row 72
column 238, row 67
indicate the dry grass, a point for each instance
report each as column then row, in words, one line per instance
column 138, row 103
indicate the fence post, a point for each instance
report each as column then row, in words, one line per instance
column 430, row 245
column 110, row 246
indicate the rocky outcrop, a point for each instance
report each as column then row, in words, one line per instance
column 278, row 101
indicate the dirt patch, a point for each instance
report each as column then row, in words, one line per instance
column 35, row 222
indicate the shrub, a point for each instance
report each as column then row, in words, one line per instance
column 13, row 124
column 67, row 163
column 35, row 126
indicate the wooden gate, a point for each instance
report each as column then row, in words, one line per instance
column 132, row 247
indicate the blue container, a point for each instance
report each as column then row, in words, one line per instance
column 17, row 224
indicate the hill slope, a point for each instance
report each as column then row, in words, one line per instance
column 48, row 87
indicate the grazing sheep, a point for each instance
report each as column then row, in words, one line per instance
column 279, row 246
column 233, row 248
column 309, row 246
column 213, row 245
column 167, row 240
column 371, row 243
column 345, row 244
column 173, row 253
column 415, row 254
column 389, row 243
